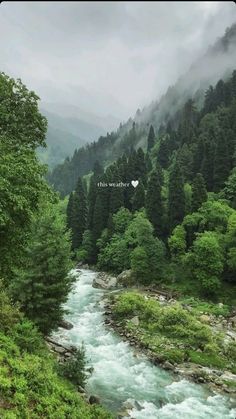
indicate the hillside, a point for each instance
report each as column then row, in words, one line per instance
column 218, row 62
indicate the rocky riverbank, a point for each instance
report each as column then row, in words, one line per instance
column 216, row 379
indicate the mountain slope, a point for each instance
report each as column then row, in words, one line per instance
column 218, row 62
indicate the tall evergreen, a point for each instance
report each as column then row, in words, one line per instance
column 207, row 166
column 116, row 193
column 199, row 192
column 140, row 165
column 163, row 153
column 69, row 211
column 176, row 196
column 101, row 208
column 79, row 215
column 151, row 138
column 138, row 200
column 221, row 163
column 154, row 206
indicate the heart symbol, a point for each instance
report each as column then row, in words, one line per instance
column 135, row 183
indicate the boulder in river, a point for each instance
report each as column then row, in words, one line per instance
column 104, row 281
column 66, row 325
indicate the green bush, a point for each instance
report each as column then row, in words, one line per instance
column 74, row 368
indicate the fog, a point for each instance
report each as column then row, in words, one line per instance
column 106, row 58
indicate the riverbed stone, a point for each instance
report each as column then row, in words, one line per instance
column 66, row 325
column 135, row 320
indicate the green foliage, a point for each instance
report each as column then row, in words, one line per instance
column 78, row 217
column 42, row 285
column 199, row 192
column 30, row 387
column 176, row 196
column 172, row 332
column 154, row 205
column 74, row 368
column 207, row 261
column 177, row 242
column 20, row 121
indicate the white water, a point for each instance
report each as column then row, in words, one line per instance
column 120, row 375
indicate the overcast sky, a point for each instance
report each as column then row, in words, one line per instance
column 106, row 57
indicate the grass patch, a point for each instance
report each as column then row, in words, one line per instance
column 173, row 332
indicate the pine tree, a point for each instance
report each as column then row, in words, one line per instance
column 176, row 196
column 140, row 166
column 97, row 172
column 151, row 138
column 207, row 166
column 101, row 208
column 138, row 200
column 221, row 163
column 69, row 211
column 116, row 200
column 154, row 206
column 199, row 192
column 163, row 153
column 79, row 215
column 42, row 285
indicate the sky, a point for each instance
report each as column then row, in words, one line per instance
column 106, row 58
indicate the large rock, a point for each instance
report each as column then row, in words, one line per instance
column 124, row 278
column 204, row 318
column 135, row 320
column 93, row 399
column 104, row 281
column 66, row 325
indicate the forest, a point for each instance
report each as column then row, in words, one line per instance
column 177, row 226
column 163, row 210
column 35, row 261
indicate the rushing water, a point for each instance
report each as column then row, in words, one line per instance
column 120, row 375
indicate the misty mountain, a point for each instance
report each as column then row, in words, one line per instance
column 70, row 128
column 218, row 62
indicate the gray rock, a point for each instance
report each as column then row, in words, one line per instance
column 135, row 320
column 93, row 399
column 66, row 325
column 168, row 366
column 124, row 277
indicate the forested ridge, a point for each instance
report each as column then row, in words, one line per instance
column 180, row 218
column 35, row 261
column 174, row 231
column 215, row 64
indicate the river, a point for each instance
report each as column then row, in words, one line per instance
column 121, row 375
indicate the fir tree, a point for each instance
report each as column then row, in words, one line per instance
column 176, row 196
column 221, row 163
column 163, row 153
column 151, row 138
column 79, row 215
column 154, row 205
column 69, row 211
column 138, row 200
column 199, row 192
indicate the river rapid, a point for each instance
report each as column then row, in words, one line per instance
column 122, row 376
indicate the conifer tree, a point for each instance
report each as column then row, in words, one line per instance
column 116, row 200
column 69, row 211
column 199, row 192
column 138, row 200
column 163, row 153
column 79, row 215
column 176, row 196
column 101, row 208
column 151, row 138
column 221, row 163
column 154, row 206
